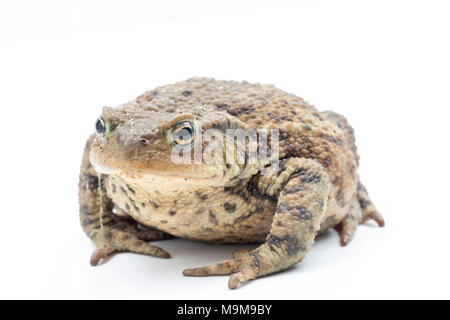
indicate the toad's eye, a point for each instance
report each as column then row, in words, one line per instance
column 100, row 125
column 183, row 134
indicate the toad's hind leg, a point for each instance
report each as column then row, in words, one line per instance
column 368, row 209
column 305, row 187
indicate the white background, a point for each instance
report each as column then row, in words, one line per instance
column 385, row 65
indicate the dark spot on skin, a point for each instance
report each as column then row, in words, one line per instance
column 201, row 196
column 108, row 235
column 299, row 212
column 306, row 126
column 320, row 202
column 85, row 210
column 302, row 213
column 259, row 209
column 221, row 126
column 256, row 259
column 350, row 217
column 292, row 245
column 340, row 198
column 273, row 240
column 332, row 139
column 351, row 169
column 92, row 182
column 337, row 181
column 136, row 208
column 360, row 187
column 364, row 204
column 86, row 222
column 172, row 212
column 298, row 172
column 318, row 116
column 143, row 205
column 230, row 207
column 186, row 93
column 123, row 190
column 245, row 110
column 279, row 223
column 248, row 189
column 113, row 188
column 228, row 166
column 122, row 227
column 291, row 242
column 282, row 165
column 125, row 237
column 138, row 243
column 315, row 178
column 294, row 189
column 153, row 204
column 242, row 218
column 131, row 189
column 110, row 223
column 286, row 118
column 227, row 108
column 200, row 210
column 212, row 218
column 127, row 206
column 326, row 162
column 131, row 199
column 163, row 221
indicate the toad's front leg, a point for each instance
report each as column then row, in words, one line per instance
column 305, row 187
column 110, row 233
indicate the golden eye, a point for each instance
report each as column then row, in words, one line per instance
column 183, row 134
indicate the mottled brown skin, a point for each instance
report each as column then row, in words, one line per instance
column 127, row 178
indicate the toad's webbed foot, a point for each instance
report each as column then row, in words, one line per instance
column 125, row 237
column 368, row 209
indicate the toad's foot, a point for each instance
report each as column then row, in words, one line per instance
column 241, row 269
column 360, row 211
column 125, row 237
column 368, row 209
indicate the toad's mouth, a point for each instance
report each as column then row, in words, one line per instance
column 131, row 173
column 156, row 171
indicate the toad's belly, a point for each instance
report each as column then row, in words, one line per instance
column 217, row 217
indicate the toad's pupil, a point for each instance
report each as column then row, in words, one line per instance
column 184, row 134
column 100, row 126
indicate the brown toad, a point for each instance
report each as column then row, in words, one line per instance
column 129, row 179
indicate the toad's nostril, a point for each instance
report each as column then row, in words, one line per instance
column 144, row 141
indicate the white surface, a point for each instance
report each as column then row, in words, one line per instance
column 383, row 64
